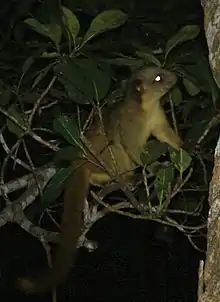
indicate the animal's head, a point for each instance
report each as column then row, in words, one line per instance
column 149, row 84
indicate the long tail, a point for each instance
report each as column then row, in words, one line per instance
column 71, row 227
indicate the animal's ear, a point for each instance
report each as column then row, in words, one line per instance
column 138, row 85
column 135, row 88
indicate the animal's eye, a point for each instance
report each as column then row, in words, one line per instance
column 158, row 78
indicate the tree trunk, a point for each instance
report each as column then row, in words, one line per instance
column 209, row 277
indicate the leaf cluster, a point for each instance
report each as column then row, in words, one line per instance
column 88, row 52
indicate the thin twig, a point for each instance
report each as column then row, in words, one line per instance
column 214, row 121
column 37, row 104
column 32, row 166
column 173, row 114
column 7, row 151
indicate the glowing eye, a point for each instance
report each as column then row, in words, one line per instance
column 157, row 79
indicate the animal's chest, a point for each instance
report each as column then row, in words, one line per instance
column 135, row 130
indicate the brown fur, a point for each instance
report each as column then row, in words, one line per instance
column 127, row 126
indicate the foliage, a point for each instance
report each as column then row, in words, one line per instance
column 84, row 53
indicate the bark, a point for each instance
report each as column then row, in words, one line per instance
column 209, row 278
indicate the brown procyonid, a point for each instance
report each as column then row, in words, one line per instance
column 116, row 141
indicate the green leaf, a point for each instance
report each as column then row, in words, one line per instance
column 181, row 159
column 186, row 33
column 12, row 127
column 198, row 74
column 83, row 80
column 68, row 128
column 41, row 75
column 176, row 96
column 191, row 87
column 67, row 154
column 59, row 94
column 51, row 31
column 107, row 20
column 5, row 96
column 55, row 186
column 71, row 22
column 125, row 61
column 148, row 57
column 163, row 182
column 153, row 150
column 27, row 64
column 50, row 55
column 191, row 73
